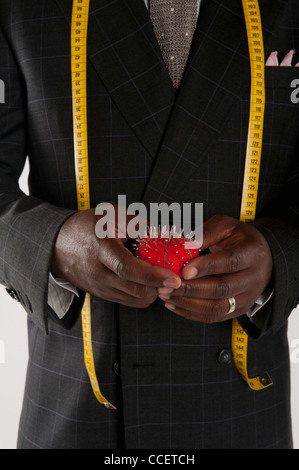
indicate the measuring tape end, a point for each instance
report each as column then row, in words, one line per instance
column 109, row 406
column 265, row 380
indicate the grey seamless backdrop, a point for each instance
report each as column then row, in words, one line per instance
column 13, row 361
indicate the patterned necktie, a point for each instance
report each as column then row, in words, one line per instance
column 174, row 23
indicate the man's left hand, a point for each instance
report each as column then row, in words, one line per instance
column 239, row 265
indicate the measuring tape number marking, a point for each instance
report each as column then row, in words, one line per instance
column 79, row 29
column 252, row 168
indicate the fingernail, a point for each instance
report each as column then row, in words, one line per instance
column 169, row 306
column 191, row 273
column 164, row 297
column 172, row 283
column 165, row 290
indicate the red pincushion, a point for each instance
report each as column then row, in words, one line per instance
column 168, row 252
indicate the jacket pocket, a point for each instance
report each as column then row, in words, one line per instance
column 280, row 77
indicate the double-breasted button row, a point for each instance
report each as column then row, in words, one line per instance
column 224, row 357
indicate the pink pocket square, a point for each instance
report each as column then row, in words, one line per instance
column 286, row 62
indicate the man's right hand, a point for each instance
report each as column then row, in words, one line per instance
column 104, row 267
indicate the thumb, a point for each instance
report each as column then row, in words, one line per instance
column 217, row 229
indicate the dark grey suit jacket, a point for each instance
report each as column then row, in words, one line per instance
column 165, row 374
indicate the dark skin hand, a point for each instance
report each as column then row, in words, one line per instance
column 105, row 267
column 239, row 265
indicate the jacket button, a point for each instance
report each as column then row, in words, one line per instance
column 225, row 356
column 13, row 294
column 116, row 369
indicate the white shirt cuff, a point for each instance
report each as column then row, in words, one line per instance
column 60, row 295
column 260, row 302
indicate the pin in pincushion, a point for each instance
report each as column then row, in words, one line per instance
column 167, row 251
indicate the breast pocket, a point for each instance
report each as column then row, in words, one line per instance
column 282, row 100
column 285, row 79
column 280, row 126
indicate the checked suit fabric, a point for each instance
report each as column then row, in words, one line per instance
column 152, row 143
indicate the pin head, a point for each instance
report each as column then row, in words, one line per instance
column 167, row 249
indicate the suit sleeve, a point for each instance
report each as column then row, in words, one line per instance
column 28, row 226
column 282, row 236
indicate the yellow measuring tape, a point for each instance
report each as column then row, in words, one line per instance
column 252, row 167
column 79, row 63
column 79, row 29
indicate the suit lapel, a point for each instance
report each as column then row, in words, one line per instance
column 216, row 77
column 122, row 48
column 177, row 129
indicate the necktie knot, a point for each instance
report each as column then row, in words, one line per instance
column 174, row 23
